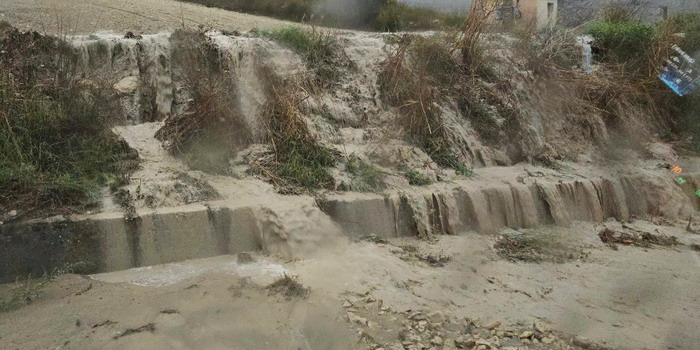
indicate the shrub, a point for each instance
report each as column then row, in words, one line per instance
column 56, row 146
column 394, row 16
column 212, row 129
column 623, row 42
column 299, row 159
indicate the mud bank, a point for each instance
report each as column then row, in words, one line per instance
column 296, row 226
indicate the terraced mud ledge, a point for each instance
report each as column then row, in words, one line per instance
column 298, row 226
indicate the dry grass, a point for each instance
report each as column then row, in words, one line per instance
column 212, row 129
column 536, row 249
column 289, row 287
column 471, row 42
column 299, row 160
column 638, row 239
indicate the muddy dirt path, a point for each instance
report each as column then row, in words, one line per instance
column 121, row 16
column 630, row 298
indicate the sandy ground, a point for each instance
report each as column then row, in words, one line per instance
column 632, row 298
column 121, row 16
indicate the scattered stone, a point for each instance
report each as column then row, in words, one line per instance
column 548, row 340
column 347, row 304
column 494, row 325
column 582, row 342
column 436, row 341
column 541, row 327
column 357, row 319
column 463, row 342
column 385, row 308
column 437, row 317
column 526, row 334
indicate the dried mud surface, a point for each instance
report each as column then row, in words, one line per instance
column 374, row 295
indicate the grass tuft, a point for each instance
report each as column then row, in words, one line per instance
column 289, row 287
column 299, row 159
column 366, row 178
column 319, row 49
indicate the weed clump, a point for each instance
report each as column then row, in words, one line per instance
column 210, row 131
column 535, row 249
column 299, row 159
column 289, row 287
column 415, row 178
column 413, row 78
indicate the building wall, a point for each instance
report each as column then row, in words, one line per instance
column 537, row 11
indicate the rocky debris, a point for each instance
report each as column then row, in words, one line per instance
column 412, row 253
column 436, row 330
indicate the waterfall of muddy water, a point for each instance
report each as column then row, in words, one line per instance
column 139, row 69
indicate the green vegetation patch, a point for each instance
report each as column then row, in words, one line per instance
column 366, row 178
column 299, row 159
column 319, row 49
column 55, row 152
column 394, row 16
column 623, row 41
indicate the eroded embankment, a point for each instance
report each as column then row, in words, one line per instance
column 294, row 226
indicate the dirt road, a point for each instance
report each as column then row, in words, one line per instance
column 138, row 16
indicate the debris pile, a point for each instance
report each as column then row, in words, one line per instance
column 636, row 238
column 377, row 325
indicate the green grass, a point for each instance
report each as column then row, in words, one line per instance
column 394, row 16
column 415, row 178
column 688, row 24
column 443, row 155
column 623, row 41
column 319, row 50
column 306, row 165
column 481, row 119
column 366, row 178
column 56, row 152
